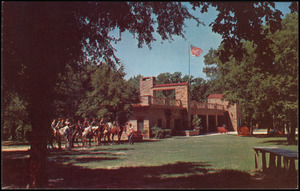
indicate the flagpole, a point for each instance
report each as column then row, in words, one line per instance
column 189, row 88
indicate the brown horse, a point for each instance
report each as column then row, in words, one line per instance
column 77, row 134
column 112, row 129
column 100, row 133
column 117, row 130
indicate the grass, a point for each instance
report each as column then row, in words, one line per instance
column 220, row 161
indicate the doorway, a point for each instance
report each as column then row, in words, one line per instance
column 140, row 126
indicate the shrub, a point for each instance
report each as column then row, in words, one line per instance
column 196, row 121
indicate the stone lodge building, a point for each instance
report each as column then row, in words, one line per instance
column 173, row 113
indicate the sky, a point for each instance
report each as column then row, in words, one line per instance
column 173, row 56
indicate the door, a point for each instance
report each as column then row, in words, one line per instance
column 140, row 125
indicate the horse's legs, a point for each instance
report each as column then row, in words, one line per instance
column 119, row 138
column 99, row 138
column 59, row 142
column 83, row 139
column 112, row 138
column 108, row 137
column 90, row 138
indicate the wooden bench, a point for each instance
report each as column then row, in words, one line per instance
column 289, row 157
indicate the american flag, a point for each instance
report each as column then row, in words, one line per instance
column 195, row 51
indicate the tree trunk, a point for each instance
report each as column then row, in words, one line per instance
column 40, row 112
column 251, row 128
column 38, row 160
column 292, row 131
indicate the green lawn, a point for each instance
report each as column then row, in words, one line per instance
column 224, row 151
column 216, row 161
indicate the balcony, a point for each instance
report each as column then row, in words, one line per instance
column 204, row 105
column 160, row 101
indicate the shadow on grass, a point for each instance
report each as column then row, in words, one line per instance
column 14, row 143
column 177, row 175
column 283, row 142
column 280, row 142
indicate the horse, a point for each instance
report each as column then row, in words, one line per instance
column 86, row 134
column 60, row 134
column 100, row 133
column 77, row 134
column 51, row 137
column 113, row 129
column 106, row 131
column 117, row 130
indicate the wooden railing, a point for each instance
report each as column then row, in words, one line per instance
column 149, row 100
column 204, row 105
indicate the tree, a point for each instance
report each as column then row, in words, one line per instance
column 70, row 89
column 40, row 38
column 199, row 89
column 241, row 21
column 135, row 82
column 111, row 95
column 14, row 116
column 265, row 95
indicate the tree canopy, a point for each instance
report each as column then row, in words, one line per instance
column 264, row 94
column 111, row 95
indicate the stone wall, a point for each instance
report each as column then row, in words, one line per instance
column 151, row 116
column 181, row 93
column 234, row 111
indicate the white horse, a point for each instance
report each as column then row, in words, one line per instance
column 87, row 133
column 60, row 134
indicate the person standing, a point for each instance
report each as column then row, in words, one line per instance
column 69, row 135
column 130, row 137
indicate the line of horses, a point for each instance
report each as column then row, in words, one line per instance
column 72, row 134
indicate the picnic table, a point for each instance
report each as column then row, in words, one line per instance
column 289, row 157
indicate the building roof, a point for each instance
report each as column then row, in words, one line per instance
column 168, row 85
column 211, row 96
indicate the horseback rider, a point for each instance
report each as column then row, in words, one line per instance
column 52, row 133
column 86, row 123
column 80, row 127
column 59, row 125
column 67, row 122
column 93, row 123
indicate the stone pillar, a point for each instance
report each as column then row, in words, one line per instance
column 146, row 83
column 146, row 133
column 134, row 125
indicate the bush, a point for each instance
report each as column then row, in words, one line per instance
column 159, row 133
column 196, row 121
